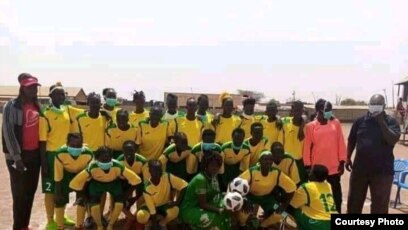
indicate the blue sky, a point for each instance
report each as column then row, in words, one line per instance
column 347, row 48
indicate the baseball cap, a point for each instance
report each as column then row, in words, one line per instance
column 29, row 81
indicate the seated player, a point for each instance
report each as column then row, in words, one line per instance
column 236, row 157
column 174, row 158
column 202, row 207
column 104, row 176
column 263, row 179
column 157, row 194
column 314, row 201
column 284, row 162
column 137, row 164
column 69, row 161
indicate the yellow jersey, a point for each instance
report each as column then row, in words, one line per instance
column 117, row 171
column 272, row 131
column 139, row 166
column 54, row 128
column 192, row 129
column 135, row 118
column 65, row 162
column 256, row 150
column 246, row 125
column 92, row 130
column 115, row 137
column 158, row 195
column 224, row 128
column 232, row 158
column 315, row 200
column 152, row 140
column 170, row 154
column 291, row 142
column 289, row 167
column 263, row 185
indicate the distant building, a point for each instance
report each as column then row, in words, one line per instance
column 74, row 95
column 214, row 99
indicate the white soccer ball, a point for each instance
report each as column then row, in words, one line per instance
column 233, row 201
column 239, row 185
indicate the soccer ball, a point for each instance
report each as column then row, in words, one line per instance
column 233, row 201
column 239, row 185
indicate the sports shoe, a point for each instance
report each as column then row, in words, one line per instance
column 68, row 221
column 51, row 226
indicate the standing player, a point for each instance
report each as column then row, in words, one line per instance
column 92, row 124
column 140, row 112
column 54, row 128
column 111, row 102
column 119, row 132
column 202, row 113
column 226, row 122
column 172, row 108
column 189, row 124
column 247, row 116
column 294, row 136
column 272, row 124
column 153, row 135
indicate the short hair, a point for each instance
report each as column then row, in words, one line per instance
column 93, row 95
column 248, row 101
column 320, row 172
column 272, row 103
column 137, row 95
column 202, row 97
column 129, row 142
column 105, row 91
column 154, row 163
column 238, row 131
column 256, row 124
column 74, row 136
column 319, row 105
column 122, row 112
column 208, row 132
column 171, row 96
column 102, row 150
column 276, row 145
column 211, row 157
column 297, row 103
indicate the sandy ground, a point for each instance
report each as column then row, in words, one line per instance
column 38, row 218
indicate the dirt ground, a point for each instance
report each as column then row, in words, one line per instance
column 38, row 218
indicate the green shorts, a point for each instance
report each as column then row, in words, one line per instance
column 178, row 169
column 97, row 189
column 139, row 187
column 161, row 210
column 266, row 202
column 48, row 183
column 306, row 223
column 65, row 187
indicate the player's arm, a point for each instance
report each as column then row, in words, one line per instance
column 43, row 133
column 78, row 183
column 180, row 185
column 289, row 187
column 299, row 198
